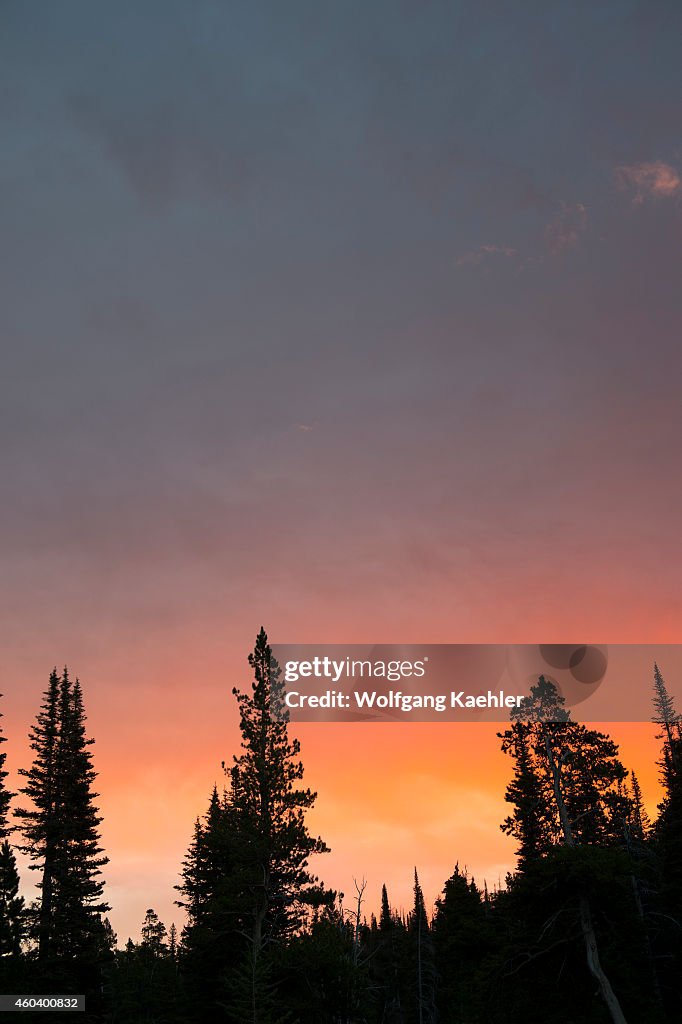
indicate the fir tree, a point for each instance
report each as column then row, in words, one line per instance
column 211, row 895
column 640, row 824
column 173, row 943
column 207, row 865
column 386, row 922
column 40, row 825
column 61, row 830
column 387, row 962
column 424, row 959
column 463, row 937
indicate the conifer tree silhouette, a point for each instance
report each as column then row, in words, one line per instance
column 667, row 717
column 577, row 778
column 667, row 833
column 425, row 967
column 269, row 807
column 245, row 880
column 61, row 829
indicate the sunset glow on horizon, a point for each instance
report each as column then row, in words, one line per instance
column 358, row 321
column 390, row 796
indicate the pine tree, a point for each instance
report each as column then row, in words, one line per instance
column 578, row 777
column 11, row 903
column 424, row 958
column 567, row 778
column 269, row 807
column 61, row 830
column 273, row 885
column 245, row 879
column 153, row 934
column 665, row 714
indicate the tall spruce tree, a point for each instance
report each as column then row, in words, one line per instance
column 639, row 823
column 61, row 829
column 386, row 922
column 387, row 961
column 40, row 823
column 424, row 959
column 11, row 903
column 211, row 940
column 206, row 866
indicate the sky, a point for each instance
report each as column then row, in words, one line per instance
column 358, row 321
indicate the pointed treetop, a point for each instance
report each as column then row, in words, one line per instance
column 419, row 905
column 664, row 704
column 385, row 918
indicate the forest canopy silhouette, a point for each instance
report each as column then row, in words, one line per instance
column 587, row 928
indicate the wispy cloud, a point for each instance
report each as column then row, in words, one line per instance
column 655, row 180
column 564, row 230
column 486, row 252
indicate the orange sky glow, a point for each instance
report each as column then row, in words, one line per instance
column 364, row 326
column 390, row 796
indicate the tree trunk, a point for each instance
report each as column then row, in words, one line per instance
column 419, row 969
column 259, row 915
column 45, row 910
column 592, row 950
